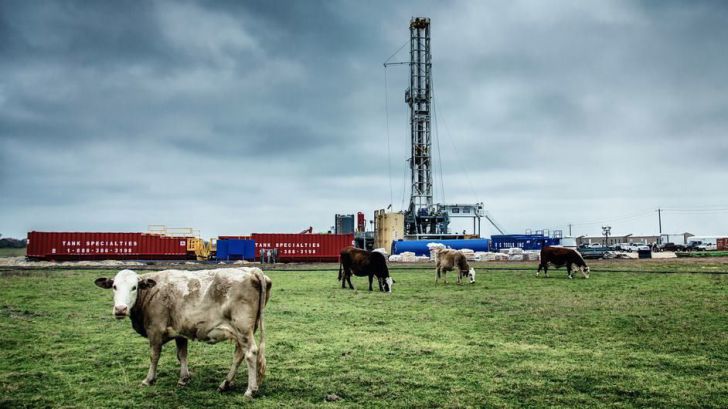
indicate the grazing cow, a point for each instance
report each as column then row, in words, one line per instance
column 560, row 256
column 448, row 260
column 364, row 263
column 205, row 305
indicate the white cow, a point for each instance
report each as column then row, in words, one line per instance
column 205, row 305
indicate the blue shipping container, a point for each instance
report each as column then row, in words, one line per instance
column 236, row 249
column 419, row 247
column 524, row 241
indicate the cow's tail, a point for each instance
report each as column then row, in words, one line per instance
column 261, row 364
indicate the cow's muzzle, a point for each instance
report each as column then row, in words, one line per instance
column 121, row 311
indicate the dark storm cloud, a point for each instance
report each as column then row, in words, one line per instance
column 241, row 116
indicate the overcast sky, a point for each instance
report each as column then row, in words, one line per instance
column 270, row 116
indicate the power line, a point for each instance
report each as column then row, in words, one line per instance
column 386, row 102
column 662, row 210
column 389, row 151
column 695, row 211
column 404, row 168
column 453, row 144
column 395, row 53
column 437, row 142
column 612, row 220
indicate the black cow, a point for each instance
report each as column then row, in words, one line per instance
column 560, row 256
column 364, row 263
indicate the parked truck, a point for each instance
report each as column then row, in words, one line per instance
column 703, row 243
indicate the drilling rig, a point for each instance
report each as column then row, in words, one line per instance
column 425, row 219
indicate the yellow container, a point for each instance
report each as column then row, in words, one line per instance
column 388, row 227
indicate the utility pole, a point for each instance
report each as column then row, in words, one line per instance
column 569, row 229
column 605, row 231
column 659, row 221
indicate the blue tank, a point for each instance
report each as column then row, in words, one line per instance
column 419, row 247
column 524, row 241
column 235, row 249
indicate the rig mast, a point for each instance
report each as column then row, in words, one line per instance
column 422, row 217
column 419, row 98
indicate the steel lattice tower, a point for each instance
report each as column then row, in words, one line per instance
column 419, row 98
column 423, row 218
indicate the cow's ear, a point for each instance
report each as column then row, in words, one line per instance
column 147, row 283
column 104, row 282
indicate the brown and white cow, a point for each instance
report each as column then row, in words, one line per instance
column 448, row 260
column 560, row 256
column 205, row 305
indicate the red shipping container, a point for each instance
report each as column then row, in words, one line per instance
column 303, row 247
column 722, row 244
column 104, row 246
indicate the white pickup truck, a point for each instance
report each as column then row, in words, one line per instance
column 633, row 247
column 701, row 245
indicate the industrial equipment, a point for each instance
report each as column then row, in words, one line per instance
column 196, row 246
column 424, row 218
column 344, row 224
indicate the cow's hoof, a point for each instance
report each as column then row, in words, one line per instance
column 184, row 381
column 148, row 382
column 248, row 395
column 225, row 386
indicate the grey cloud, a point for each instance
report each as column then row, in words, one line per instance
column 263, row 116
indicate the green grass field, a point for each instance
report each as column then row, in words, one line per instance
column 11, row 252
column 511, row 340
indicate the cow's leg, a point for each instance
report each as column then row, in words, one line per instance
column 545, row 270
column 348, row 279
column 184, row 372
column 540, row 266
column 250, row 350
column 437, row 277
column 238, row 357
column 343, row 278
column 371, row 278
column 568, row 270
column 155, row 350
column 381, row 283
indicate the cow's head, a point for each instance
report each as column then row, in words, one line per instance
column 388, row 283
column 471, row 275
column 585, row 271
column 125, row 284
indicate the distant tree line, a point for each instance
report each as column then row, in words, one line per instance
column 9, row 242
